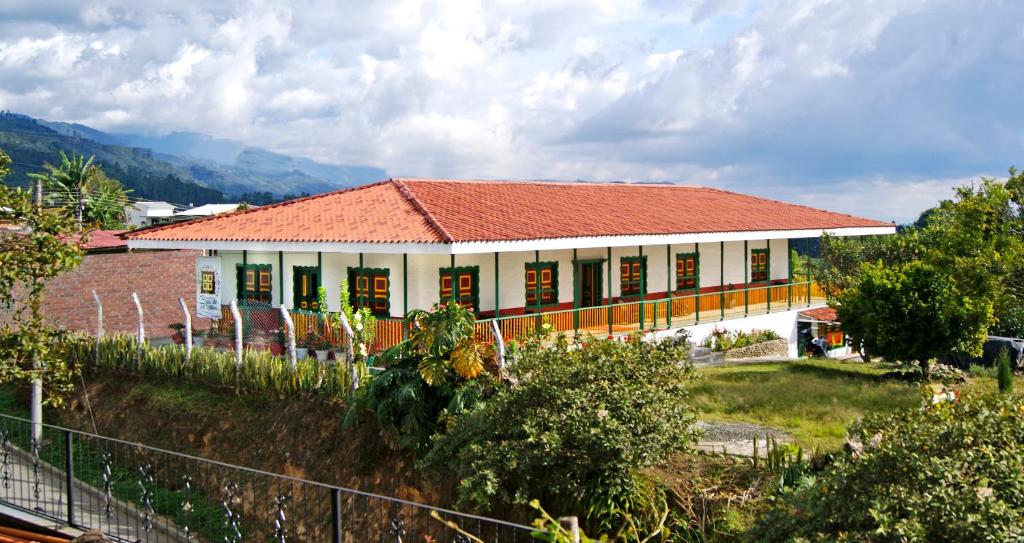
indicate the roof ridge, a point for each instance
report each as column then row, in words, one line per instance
column 251, row 209
column 408, row 194
column 549, row 182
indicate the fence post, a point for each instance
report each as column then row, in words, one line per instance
column 289, row 334
column 571, row 525
column 142, row 328
column 336, row 515
column 99, row 324
column 188, row 330
column 237, row 317
column 499, row 342
column 350, row 357
column 69, row 475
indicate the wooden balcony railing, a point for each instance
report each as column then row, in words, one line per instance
column 613, row 319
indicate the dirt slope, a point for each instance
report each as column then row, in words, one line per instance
column 301, row 438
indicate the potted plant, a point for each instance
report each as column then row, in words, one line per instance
column 179, row 335
column 317, row 345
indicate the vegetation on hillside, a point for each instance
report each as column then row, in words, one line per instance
column 31, row 145
column 945, row 472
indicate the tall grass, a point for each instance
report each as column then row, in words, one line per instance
column 261, row 372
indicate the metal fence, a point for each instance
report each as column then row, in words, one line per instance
column 136, row 493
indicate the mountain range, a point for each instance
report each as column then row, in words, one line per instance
column 179, row 167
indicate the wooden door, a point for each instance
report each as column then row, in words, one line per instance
column 305, row 282
column 590, row 293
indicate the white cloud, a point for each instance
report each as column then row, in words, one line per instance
column 818, row 93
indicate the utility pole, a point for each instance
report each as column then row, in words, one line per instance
column 36, row 409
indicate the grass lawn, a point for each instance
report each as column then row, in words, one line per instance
column 814, row 400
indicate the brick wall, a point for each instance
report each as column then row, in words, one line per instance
column 160, row 278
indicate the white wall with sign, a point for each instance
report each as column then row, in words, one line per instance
column 208, row 285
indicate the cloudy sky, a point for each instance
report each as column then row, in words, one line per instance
column 872, row 107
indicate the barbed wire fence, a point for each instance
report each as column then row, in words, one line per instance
column 242, row 326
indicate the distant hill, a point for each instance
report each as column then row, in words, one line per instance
column 233, row 167
column 30, row 143
column 180, row 167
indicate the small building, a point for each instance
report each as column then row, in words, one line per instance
column 600, row 258
column 145, row 213
column 207, row 210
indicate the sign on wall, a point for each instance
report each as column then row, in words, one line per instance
column 208, row 286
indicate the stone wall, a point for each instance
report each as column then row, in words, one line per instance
column 776, row 347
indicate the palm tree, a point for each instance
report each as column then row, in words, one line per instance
column 83, row 188
column 70, row 182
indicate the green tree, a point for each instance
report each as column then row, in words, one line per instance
column 45, row 246
column 967, row 263
column 1004, row 371
column 912, row 312
column 106, row 202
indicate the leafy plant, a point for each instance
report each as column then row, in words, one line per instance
column 426, row 381
column 444, row 341
column 946, row 472
column 574, row 431
column 722, row 340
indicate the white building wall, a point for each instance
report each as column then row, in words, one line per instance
column 424, row 271
column 782, row 322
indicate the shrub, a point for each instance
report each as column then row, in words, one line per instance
column 946, row 472
column 722, row 340
column 574, row 431
column 1005, row 371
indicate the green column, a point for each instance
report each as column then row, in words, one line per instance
column 668, row 286
column 359, row 286
column 808, row 278
column 768, row 277
column 536, row 288
column 609, row 291
column 245, row 274
column 280, row 275
column 789, row 265
column 721, row 279
column 746, row 279
column 497, row 287
column 643, row 287
column 320, row 277
column 575, row 294
column 700, row 262
column 454, row 286
column 405, row 293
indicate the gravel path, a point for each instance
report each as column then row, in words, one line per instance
column 737, row 437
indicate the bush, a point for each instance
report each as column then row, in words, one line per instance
column 722, row 340
column 574, row 431
column 1005, row 371
column 946, row 472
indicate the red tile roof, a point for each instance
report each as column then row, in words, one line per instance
column 105, row 240
column 824, row 314
column 443, row 211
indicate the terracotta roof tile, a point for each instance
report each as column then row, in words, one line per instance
column 824, row 314
column 441, row 211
